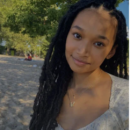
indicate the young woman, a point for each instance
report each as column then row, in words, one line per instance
column 83, row 82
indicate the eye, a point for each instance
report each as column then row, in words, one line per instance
column 99, row 44
column 77, row 36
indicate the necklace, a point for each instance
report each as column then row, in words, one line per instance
column 71, row 103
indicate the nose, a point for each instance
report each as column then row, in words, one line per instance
column 84, row 49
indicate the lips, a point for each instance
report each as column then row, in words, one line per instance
column 79, row 62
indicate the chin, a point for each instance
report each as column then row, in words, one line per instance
column 79, row 70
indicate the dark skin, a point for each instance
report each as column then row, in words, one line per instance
column 89, row 41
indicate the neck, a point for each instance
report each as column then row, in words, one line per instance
column 86, row 80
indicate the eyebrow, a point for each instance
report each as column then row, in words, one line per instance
column 79, row 28
column 103, row 37
column 100, row 36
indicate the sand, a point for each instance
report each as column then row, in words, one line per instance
column 19, row 81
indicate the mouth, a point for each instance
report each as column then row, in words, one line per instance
column 79, row 62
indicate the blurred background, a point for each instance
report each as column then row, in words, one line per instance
column 26, row 29
column 27, row 26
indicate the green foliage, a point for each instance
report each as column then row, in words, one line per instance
column 2, row 49
column 36, row 17
column 28, row 25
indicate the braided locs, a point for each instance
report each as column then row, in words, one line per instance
column 56, row 73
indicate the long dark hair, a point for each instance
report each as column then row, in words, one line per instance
column 56, row 73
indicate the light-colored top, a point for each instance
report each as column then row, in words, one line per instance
column 117, row 116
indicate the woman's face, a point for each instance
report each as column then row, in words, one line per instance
column 90, row 40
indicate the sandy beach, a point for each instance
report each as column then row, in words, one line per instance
column 19, row 81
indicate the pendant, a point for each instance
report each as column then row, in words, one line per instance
column 72, row 104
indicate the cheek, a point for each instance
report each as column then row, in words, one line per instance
column 99, row 56
column 69, row 48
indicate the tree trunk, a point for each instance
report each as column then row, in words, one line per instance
column 8, row 49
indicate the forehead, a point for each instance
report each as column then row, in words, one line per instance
column 97, row 20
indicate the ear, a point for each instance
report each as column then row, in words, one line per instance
column 112, row 52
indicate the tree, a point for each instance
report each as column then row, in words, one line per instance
column 32, row 20
column 15, row 40
column 38, row 18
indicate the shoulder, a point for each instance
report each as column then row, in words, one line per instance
column 119, row 84
column 120, row 91
column 120, row 99
column 120, row 88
